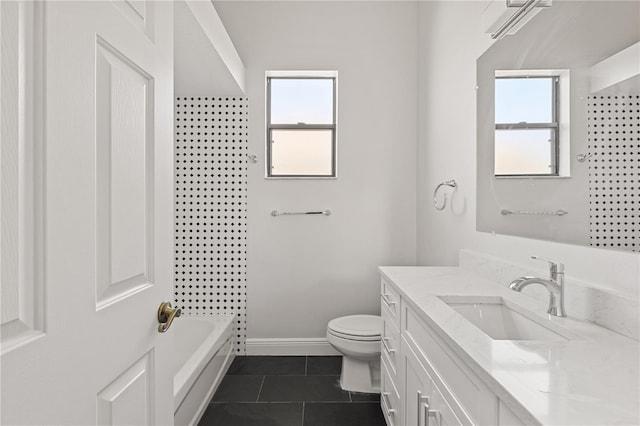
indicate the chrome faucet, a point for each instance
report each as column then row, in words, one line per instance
column 555, row 285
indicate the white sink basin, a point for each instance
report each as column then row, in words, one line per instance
column 502, row 320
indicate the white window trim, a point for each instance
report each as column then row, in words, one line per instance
column 300, row 74
column 564, row 113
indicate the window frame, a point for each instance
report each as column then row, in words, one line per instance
column 270, row 127
column 554, row 125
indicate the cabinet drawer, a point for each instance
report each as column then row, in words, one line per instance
column 455, row 379
column 390, row 342
column 391, row 299
column 389, row 397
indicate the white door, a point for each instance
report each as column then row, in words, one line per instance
column 87, row 234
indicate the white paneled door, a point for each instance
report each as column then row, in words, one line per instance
column 87, row 234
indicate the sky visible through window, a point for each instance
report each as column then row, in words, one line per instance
column 523, row 151
column 299, row 100
column 523, row 99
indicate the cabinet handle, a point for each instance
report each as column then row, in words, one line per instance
column 386, row 346
column 436, row 414
column 428, row 412
column 387, row 300
column 390, row 411
column 392, row 415
column 420, row 399
column 385, row 396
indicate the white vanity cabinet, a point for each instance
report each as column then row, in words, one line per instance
column 424, row 382
column 444, row 366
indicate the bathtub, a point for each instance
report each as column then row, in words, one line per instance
column 203, row 347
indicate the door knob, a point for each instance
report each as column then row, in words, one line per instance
column 166, row 314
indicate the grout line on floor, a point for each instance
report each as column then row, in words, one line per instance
column 260, row 390
column 306, row 365
column 302, row 423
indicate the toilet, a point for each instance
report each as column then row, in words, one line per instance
column 357, row 337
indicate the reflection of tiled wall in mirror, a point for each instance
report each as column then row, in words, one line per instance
column 614, row 171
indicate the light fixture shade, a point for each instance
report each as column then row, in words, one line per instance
column 500, row 19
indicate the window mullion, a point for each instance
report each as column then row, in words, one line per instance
column 302, row 126
column 524, row 126
column 555, row 155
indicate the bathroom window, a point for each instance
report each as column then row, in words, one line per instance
column 301, row 124
column 527, row 130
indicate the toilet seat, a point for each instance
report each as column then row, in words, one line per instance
column 357, row 327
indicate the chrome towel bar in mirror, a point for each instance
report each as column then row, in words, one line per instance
column 451, row 183
column 558, row 212
column 277, row 213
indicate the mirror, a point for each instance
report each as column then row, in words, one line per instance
column 594, row 198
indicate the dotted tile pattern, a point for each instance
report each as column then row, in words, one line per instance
column 614, row 171
column 211, row 208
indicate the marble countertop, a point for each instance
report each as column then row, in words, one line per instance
column 591, row 380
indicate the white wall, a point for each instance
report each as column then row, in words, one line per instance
column 450, row 41
column 199, row 69
column 305, row 270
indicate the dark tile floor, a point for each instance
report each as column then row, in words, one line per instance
column 289, row 391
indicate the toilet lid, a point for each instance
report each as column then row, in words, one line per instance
column 357, row 327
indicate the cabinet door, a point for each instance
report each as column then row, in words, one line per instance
column 424, row 404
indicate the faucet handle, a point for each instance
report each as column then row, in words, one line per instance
column 554, row 267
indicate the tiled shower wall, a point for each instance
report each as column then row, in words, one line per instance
column 614, row 171
column 211, row 208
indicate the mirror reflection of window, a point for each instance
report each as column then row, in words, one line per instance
column 526, row 123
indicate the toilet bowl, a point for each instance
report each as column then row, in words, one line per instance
column 357, row 337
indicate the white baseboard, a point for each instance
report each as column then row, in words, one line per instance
column 293, row 346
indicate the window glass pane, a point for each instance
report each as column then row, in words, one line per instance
column 524, row 99
column 301, row 100
column 523, row 152
column 302, row 152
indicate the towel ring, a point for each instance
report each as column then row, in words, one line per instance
column 451, row 183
